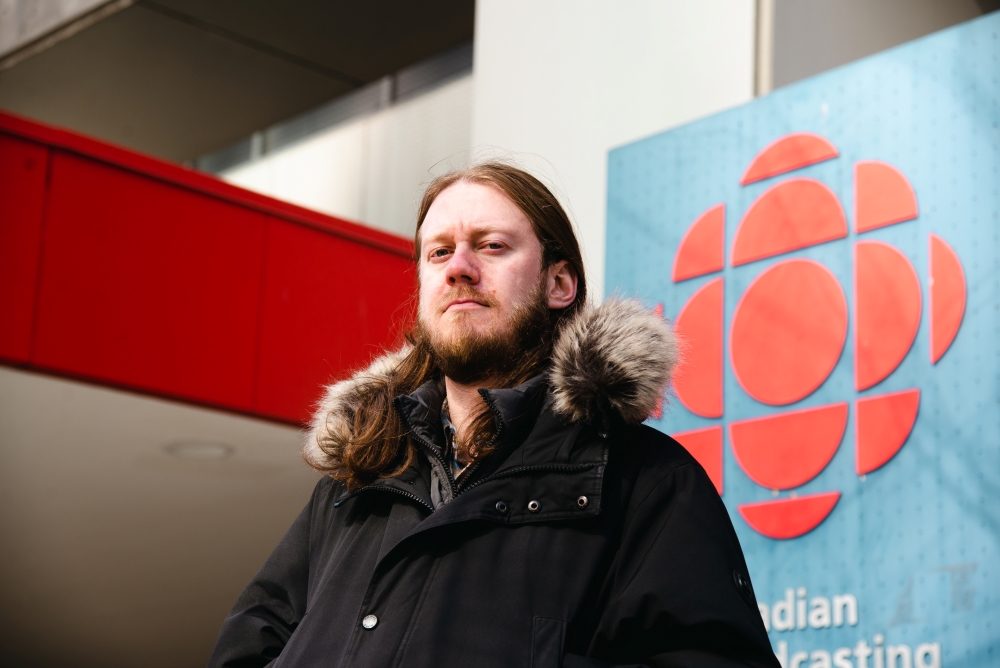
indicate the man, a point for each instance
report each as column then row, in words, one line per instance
column 491, row 496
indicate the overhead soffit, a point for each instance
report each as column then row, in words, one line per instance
column 363, row 40
column 126, row 536
column 180, row 78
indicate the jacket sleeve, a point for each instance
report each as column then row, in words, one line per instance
column 678, row 592
column 271, row 606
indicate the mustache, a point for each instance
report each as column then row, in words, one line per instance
column 468, row 292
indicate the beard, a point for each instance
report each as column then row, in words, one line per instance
column 470, row 356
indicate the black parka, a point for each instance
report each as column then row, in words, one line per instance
column 576, row 544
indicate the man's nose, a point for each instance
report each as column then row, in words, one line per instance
column 462, row 267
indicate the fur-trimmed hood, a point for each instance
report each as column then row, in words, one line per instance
column 618, row 356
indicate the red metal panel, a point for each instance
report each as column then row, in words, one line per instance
column 204, row 183
column 22, row 195
column 148, row 285
column 150, row 278
column 329, row 305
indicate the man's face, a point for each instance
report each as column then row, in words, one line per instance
column 480, row 263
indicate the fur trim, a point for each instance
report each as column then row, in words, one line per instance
column 332, row 420
column 617, row 356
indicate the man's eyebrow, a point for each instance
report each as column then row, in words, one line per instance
column 475, row 230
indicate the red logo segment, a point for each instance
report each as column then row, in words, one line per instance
column 790, row 449
column 883, row 425
column 887, row 307
column 703, row 246
column 791, row 215
column 791, row 152
column 947, row 295
column 882, row 196
column 705, row 445
column 789, row 518
column 788, row 330
column 698, row 381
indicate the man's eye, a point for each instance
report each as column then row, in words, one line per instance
column 494, row 245
column 440, row 252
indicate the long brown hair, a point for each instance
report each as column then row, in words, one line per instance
column 375, row 444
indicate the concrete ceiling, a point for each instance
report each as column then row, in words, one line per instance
column 116, row 551
column 179, row 78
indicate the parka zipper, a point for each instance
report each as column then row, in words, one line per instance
column 444, row 465
column 433, row 452
column 380, row 488
column 455, row 487
column 501, row 425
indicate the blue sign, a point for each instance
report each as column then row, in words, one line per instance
column 830, row 254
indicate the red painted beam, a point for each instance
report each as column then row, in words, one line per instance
column 129, row 271
column 23, row 166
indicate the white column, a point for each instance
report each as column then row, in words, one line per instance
column 558, row 83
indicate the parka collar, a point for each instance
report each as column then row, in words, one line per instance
column 513, row 411
column 609, row 364
column 421, row 412
column 531, row 439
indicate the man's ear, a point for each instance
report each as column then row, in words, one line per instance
column 560, row 284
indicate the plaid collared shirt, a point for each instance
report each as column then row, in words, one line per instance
column 457, row 468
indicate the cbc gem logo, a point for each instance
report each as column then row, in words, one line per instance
column 789, row 329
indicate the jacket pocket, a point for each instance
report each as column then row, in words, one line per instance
column 548, row 637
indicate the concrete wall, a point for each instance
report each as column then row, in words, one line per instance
column 559, row 83
column 371, row 169
column 22, row 21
